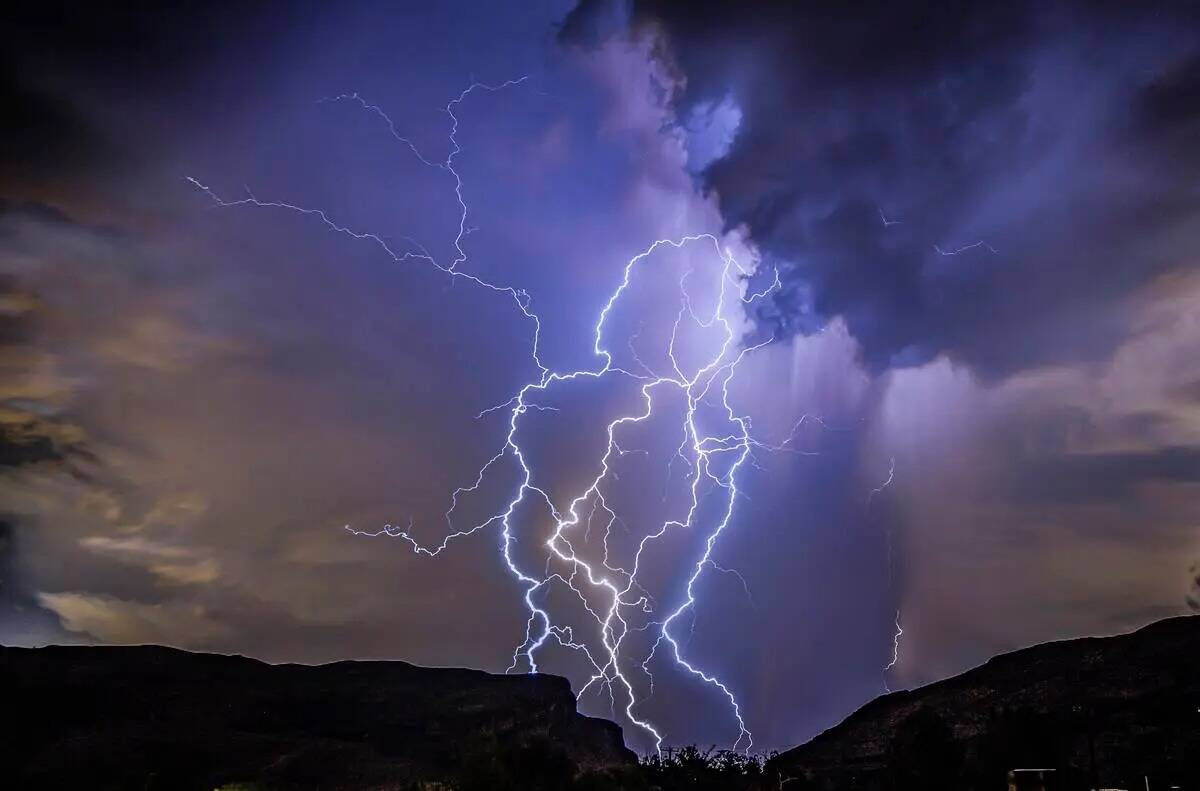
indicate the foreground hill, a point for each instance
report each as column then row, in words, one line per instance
column 1111, row 712
column 1108, row 712
column 147, row 717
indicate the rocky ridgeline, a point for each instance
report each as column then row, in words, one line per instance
column 1114, row 712
column 1109, row 712
column 146, row 717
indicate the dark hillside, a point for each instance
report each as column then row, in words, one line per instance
column 147, row 717
column 1105, row 712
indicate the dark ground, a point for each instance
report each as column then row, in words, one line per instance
column 1104, row 712
column 147, row 717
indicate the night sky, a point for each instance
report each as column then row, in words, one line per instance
column 985, row 220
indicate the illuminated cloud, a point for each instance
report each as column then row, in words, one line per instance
column 864, row 155
column 173, row 564
column 113, row 620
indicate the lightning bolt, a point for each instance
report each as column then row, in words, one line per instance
column 895, row 650
column 713, row 456
column 966, row 247
column 891, row 476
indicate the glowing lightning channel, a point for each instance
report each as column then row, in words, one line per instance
column 707, row 451
column 967, row 247
column 891, row 476
column 895, row 650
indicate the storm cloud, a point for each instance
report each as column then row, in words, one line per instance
column 998, row 205
column 984, row 181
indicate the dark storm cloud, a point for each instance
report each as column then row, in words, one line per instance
column 1187, row 393
column 42, row 133
column 29, row 433
column 153, row 44
column 1055, row 454
column 17, row 602
column 1106, row 476
column 18, row 448
column 67, row 72
column 35, row 435
column 25, row 226
column 876, row 137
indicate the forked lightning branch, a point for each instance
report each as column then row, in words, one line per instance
column 713, row 451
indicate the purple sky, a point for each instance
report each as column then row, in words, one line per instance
column 985, row 226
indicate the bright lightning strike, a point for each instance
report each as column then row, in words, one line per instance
column 713, row 456
column 895, row 650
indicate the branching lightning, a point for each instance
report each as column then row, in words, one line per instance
column 886, row 222
column 712, row 456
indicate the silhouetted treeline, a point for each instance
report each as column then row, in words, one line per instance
column 542, row 766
